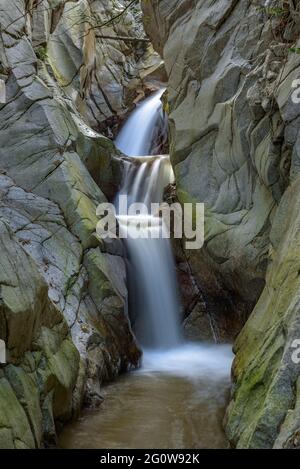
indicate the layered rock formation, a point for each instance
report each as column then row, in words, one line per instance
column 235, row 146
column 63, row 295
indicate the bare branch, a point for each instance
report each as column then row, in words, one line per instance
column 124, row 38
column 111, row 20
column 114, row 18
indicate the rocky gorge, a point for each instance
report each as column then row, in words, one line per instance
column 71, row 73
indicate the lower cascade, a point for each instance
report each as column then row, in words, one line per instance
column 152, row 272
column 178, row 396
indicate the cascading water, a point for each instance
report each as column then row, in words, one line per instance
column 178, row 398
column 136, row 137
column 152, row 274
column 152, row 266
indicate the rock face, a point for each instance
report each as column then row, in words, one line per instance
column 231, row 66
column 103, row 76
column 63, row 295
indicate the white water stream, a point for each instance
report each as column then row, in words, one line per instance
column 152, row 270
column 136, row 137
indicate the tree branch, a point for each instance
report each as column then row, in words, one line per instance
column 124, row 38
column 111, row 20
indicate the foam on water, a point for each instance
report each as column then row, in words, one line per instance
column 190, row 361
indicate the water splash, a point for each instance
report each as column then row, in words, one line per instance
column 190, row 361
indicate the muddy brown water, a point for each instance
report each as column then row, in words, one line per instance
column 157, row 410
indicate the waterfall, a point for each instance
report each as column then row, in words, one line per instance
column 136, row 137
column 153, row 288
column 177, row 398
column 152, row 273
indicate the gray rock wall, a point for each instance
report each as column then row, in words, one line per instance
column 63, row 295
column 103, row 76
column 234, row 146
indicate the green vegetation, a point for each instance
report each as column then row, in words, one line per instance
column 41, row 53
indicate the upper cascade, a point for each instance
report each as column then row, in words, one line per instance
column 137, row 136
